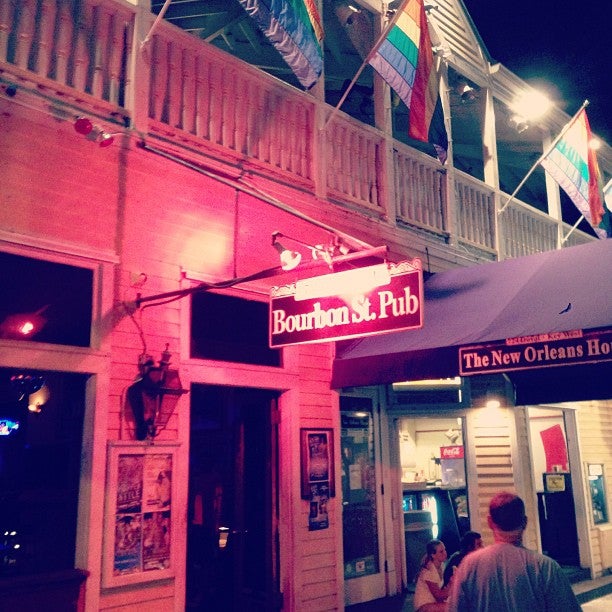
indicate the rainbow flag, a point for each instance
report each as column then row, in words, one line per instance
column 404, row 59
column 573, row 164
column 294, row 28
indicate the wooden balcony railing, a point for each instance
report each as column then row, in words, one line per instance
column 84, row 50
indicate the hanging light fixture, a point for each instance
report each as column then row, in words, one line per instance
column 154, row 395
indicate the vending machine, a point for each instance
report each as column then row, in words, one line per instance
column 431, row 512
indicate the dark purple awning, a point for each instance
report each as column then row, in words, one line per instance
column 560, row 290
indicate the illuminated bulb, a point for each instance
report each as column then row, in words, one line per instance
column 531, row 105
column 105, row 139
column 27, row 328
column 290, row 260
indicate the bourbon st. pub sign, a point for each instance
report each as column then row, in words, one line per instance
column 361, row 302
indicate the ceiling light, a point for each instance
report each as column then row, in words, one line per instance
column 465, row 91
column 531, row 105
column 519, row 123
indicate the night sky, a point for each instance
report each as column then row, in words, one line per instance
column 561, row 47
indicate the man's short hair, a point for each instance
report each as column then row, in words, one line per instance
column 507, row 511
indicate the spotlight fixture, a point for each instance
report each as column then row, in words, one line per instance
column 443, row 51
column 289, row 259
column 105, row 139
column 318, row 251
column 95, row 133
column 465, row 91
column 520, row 124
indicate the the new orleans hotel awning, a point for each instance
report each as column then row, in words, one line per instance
column 556, row 291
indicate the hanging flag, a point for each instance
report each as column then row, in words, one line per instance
column 573, row 164
column 404, row 59
column 294, row 28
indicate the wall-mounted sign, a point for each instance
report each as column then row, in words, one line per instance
column 555, row 483
column 451, row 452
column 539, row 351
column 372, row 300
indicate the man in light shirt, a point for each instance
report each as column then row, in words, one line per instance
column 506, row 577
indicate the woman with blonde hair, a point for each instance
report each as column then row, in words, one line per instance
column 429, row 595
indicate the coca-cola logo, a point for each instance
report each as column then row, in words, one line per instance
column 451, row 452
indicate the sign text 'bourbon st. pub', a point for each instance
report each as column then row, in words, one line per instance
column 371, row 300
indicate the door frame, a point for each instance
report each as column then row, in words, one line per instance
column 570, row 426
column 272, row 586
column 578, row 487
column 373, row 586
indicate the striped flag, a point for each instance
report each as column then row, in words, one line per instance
column 573, row 164
column 404, row 59
column 294, row 28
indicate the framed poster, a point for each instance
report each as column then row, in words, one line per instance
column 139, row 519
column 317, row 462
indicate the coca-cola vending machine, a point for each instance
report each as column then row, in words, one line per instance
column 452, row 466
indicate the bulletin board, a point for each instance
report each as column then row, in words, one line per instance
column 139, row 517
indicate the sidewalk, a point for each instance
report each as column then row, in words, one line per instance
column 586, row 591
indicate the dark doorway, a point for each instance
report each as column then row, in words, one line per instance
column 233, row 511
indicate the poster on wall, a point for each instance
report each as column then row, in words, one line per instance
column 318, row 518
column 140, row 489
column 318, row 484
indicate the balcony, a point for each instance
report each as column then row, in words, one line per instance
column 112, row 59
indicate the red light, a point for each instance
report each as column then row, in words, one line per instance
column 26, row 328
column 106, row 140
column 83, row 126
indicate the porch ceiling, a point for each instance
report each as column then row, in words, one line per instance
column 225, row 24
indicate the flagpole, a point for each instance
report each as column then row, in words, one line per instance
column 366, row 61
column 544, row 155
column 564, row 240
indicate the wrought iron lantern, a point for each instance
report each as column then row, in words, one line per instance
column 154, row 395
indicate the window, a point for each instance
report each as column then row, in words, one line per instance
column 40, row 463
column 228, row 328
column 43, row 301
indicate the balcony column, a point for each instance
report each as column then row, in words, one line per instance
column 139, row 68
column 553, row 196
column 491, row 169
column 383, row 120
column 450, row 213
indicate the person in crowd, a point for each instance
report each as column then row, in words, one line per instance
column 470, row 542
column 429, row 595
column 506, row 577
